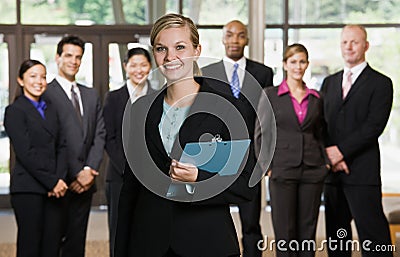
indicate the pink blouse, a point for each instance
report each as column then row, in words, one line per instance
column 299, row 108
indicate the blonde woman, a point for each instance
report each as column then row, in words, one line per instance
column 195, row 224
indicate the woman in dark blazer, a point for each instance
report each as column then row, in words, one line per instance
column 195, row 221
column 299, row 165
column 37, row 179
column 137, row 65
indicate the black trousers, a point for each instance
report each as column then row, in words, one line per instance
column 295, row 207
column 113, row 191
column 39, row 224
column 75, row 221
column 250, row 213
column 343, row 203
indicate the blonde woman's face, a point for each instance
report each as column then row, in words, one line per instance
column 174, row 53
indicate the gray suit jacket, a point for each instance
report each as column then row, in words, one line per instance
column 85, row 144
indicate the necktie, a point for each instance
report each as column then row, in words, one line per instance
column 235, row 82
column 41, row 107
column 346, row 84
column 75, row 103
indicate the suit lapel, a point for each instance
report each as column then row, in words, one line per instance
column 155, row 114
column 66, row 102
column 33, row 112
column 287, row 103
column 220, row 70
column 85, row 106
column 357, row 84
column 311, row 110
column 250, row 87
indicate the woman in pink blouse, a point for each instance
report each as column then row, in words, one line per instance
column 299, row 165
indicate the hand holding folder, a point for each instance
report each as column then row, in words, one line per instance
column 224, row 157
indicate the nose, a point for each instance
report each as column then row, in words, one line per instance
column 170, row 55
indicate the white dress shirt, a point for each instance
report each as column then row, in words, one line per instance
column 228, row 64
column 66, row 86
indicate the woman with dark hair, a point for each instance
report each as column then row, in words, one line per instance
column 137, row 65
column 37, row 180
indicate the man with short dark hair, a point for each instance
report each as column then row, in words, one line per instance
column 80, row 111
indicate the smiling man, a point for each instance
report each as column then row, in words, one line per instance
column 80, row 111
column 244, row 79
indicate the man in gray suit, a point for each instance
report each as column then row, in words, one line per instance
column 251, row 77
column 80, row 111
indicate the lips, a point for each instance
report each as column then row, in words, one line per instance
column 172, row 66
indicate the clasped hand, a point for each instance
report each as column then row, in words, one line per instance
column 184, row 172
column 84, row 180
column 59, row 189
column 336, row 159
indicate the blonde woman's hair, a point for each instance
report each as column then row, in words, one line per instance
column 294, row 49
column 174, row 20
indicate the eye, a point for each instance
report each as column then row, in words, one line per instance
column 180, row 47
column 160, row 49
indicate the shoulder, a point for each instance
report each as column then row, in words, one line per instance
column 19, row 106
column 271, row 91
column 378, row 74
column 117, row 93
column 257, row 65
column 88, row 91
column 211, row 67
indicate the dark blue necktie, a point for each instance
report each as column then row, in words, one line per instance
column 235, row 87
column 41, row 107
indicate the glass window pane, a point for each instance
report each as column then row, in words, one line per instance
column 323, row 62
column 89, row 12
column 273, row 50
column 343, row 11
column 274, row 11
column 216, row 11
column 44, row 50
column 382, row 54
column 8, row 12
column 212, row 48
column 4, row 140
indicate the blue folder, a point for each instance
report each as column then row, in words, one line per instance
column 224, row 157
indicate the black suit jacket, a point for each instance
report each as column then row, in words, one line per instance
column 257, row 77
column 113, row 112
column 202, row 228
column 296, row 144
column 355, row 123
column 39, row 147
column 85, row 143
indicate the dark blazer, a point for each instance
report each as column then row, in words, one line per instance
column 113, row 112
column 85, row 144
column 39, row 147
column 257, row 77
column 200, row 228
column 355, row 123
column 296, row 144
